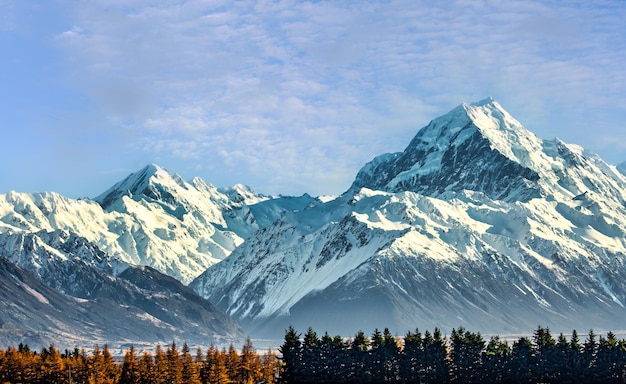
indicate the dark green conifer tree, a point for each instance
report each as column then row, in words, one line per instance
column 589, row 351
column 311, row 356
column 466, row 350
column 520, row 368
column 291, row 351
column 609, row 364
column 330, row 360
column 495, row 361
column 412, row 358
column 376, row 358
column 436, row 358
column 358, row 358
column 546, row 362
column 391, row 357
column 577, row 361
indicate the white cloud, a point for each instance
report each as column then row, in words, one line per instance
column 295, row 96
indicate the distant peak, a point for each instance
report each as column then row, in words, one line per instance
column 153, row 169
column 484, row 102
column 138, row 183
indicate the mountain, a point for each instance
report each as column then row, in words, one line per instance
column 108, row 269
column 153, row 218
column 140, row 306
column 477, row 223
column 97, row 298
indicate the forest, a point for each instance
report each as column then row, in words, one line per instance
column 170, row 365
column 461, row 357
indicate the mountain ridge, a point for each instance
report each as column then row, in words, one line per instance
column 476, row 218
column 155, row 218
column 477, row 222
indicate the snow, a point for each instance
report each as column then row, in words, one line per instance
column 548, row 246
column 36, row 294
column 259, row 256
column 151, row 218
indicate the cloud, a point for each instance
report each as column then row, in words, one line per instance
column 298, row 95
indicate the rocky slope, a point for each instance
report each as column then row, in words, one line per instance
column 140, row 306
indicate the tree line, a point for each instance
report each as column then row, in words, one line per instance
column 170, row 365
column 463, row 357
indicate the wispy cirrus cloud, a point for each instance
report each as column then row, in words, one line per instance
column 292, row 96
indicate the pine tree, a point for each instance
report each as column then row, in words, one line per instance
column 575, row 357
column 521, row 362
column 291, row 350
column 78, row 369
column 209, row 361
column 174, row 364
column 412, row 358
column 250, row 370
column 563, row 360
column 271, row 367
column 219, row 371
column 11, row 368
column 311, row 356
column 495, row 360
column 466, row 356
column 189, row 371
column 110, row 369
column 232, row 363
column 53, row 369
column 358, row 358
column 376, row 358
column 609, row 365
column 333, row 362
column 391, row 357
column 545, row 355
column 146, row 368
column 338, row 360
column 32, row 366
column 161, row 366
column 436, row 357
column 589, row 351
column 130, row 369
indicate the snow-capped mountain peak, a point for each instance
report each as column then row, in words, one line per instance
column 481, row 147
column 475, row 146
column 477, row 222
column 153, row 217
column 505, row 133
column 152, row 181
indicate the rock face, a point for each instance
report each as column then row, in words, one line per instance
column 477, row 223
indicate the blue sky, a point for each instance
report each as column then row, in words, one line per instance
column 288, row 96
